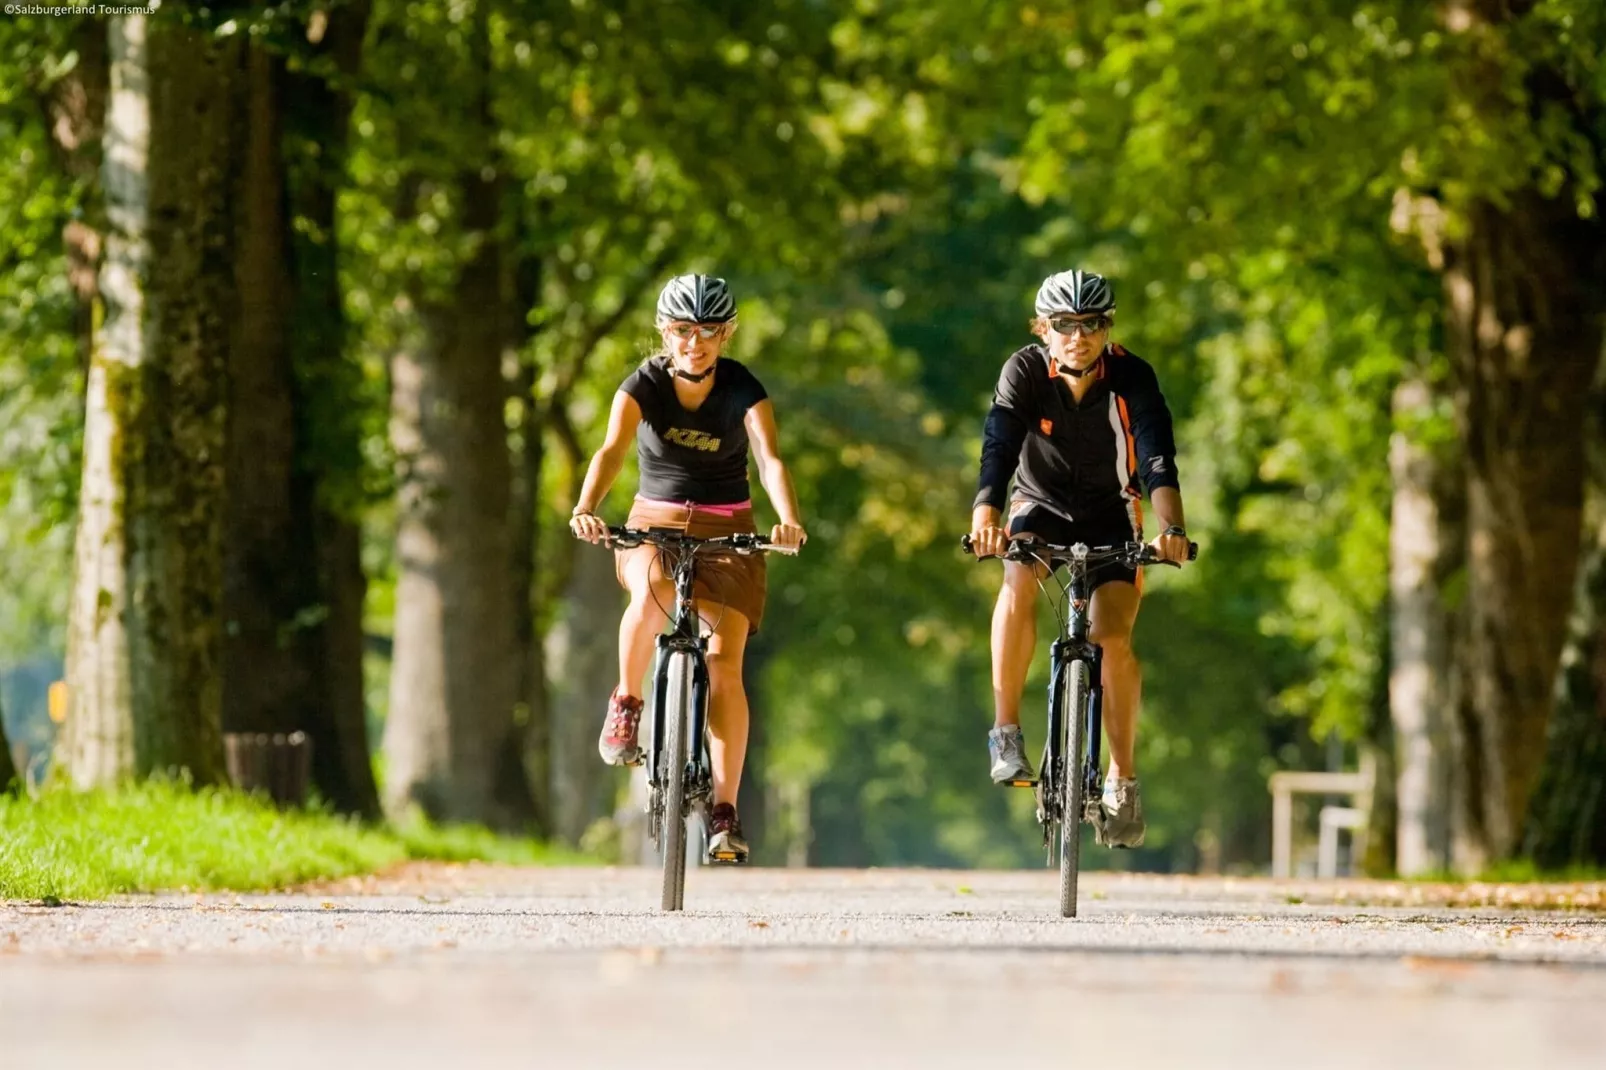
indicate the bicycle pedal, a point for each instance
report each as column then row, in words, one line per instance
column 727, row 858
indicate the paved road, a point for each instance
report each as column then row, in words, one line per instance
column 479, row 966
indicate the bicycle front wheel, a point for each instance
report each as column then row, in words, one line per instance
column 1075, row 698
column 677, row 711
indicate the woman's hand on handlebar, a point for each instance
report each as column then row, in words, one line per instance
column 788, row 536
column 588, row 526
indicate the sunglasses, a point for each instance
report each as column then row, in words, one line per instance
column 700, row 330
column 1070, row 326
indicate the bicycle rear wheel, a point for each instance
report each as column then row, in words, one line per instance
column 677, row 710
column 1075, row 698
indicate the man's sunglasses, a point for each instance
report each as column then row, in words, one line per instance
column 1070, row 326
column 701, row 330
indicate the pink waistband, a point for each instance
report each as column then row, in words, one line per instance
column 715, row 510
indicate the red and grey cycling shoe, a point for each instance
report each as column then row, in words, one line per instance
column 725, row 842
column 617, row 744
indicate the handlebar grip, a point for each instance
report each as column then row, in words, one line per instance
column 1193, row 551
column 964, row 543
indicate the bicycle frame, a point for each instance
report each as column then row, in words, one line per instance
column 1073, row 644
column 685, row 636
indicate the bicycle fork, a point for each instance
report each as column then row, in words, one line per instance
column 1056, row 763
column 699, row 775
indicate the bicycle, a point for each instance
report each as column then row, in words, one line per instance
column 680, row 785
column 1075, row 683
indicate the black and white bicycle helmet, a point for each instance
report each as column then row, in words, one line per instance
column 696, row 299
column 1076, row 292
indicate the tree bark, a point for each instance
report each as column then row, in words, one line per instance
column 452, row 731
column 1422, row 557
column 1567, row 820
column 329, row 461
column 295, row 582
column 8, row 768
column 145, row 635
column 1524, row 335
column 582, row 650
column 534, row 719
column 268, row 585
column 454, row 680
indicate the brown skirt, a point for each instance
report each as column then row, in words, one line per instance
column 737, row 581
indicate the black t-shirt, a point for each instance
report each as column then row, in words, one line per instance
column 696, row 456
column 1082, row 460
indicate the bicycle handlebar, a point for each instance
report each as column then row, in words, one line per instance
column 1136, row 553
column 742, row 542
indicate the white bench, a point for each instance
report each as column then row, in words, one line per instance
column 1285, row 785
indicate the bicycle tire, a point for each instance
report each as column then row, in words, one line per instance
column 1075, row 698
column 673, row 777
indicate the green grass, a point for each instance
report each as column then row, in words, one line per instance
column 162, row 836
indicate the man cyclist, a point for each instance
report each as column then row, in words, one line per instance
column 1078, row 423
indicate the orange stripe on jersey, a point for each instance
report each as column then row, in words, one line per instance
column 1131, row 443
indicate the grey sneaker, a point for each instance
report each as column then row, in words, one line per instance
column 1120, row 821
column 1007, row 746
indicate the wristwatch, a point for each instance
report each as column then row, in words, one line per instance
column 1176, row 529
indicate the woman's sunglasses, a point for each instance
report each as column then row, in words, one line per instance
column 701, row 330
column 1070, row 326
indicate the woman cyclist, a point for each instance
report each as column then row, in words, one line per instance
column 692, row 414
column 1081, row 427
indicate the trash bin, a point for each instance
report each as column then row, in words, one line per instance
column 278, row 765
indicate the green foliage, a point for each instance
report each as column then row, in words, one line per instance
column 163, row 836
column 1269, row 183
column 40, row 382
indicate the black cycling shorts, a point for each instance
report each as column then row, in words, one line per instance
column 1109, row 529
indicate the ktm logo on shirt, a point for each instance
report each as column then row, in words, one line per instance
column 696, row 440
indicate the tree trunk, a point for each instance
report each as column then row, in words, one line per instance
column 582, row 651
column 452, row 741
column 1567, row 820
column 1524, row 335
column 295, row 584
column 1422, row 559
column 145, row 635
column 329, row 461
column 532, row 723
column 8, row 768
column 454, row 680
column 269, row 588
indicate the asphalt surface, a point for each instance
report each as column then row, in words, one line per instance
column 479, row 966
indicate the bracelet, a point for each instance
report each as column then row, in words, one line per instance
column 579, row 512
column 1176, row 529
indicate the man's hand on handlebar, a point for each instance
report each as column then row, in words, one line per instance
column 1172, row 549
column 987, row 537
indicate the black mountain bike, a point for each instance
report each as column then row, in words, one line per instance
column 1068, row 790
column 680, row 779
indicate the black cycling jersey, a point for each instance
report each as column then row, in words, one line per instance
column 696, row 456
column 1081, row 460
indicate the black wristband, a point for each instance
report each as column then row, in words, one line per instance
column 1176, row 529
